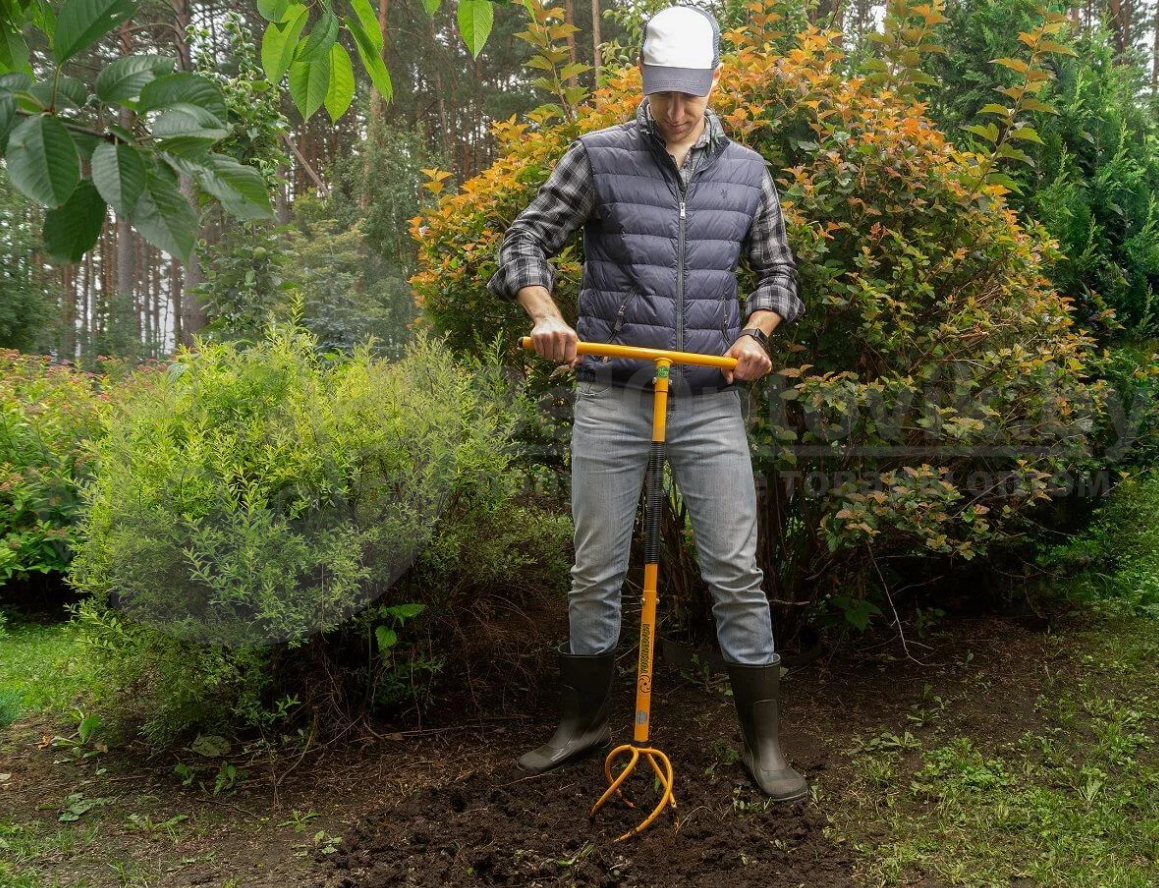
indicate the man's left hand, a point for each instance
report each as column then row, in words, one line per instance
column 752, row 362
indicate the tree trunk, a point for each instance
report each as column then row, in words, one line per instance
column 282, row 196
column 1155, row 55
column 177, row 298
column 376, row 102
column 597, row 59
column 67, row 343
column 86, row 302
column 569, row 18
column 1118, row 28
column 193, row 312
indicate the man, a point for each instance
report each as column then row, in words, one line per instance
column 669, row 204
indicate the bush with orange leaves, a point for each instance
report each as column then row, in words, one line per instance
column 935, row 393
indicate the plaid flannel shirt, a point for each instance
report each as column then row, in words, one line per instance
column 567, row 199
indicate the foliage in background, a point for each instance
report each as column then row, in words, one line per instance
column 921, row 288
column 49, row 414
column 248, row 280
column 1113, row 564
column 51, row 121
column 253, row 106
column 279, row 497
column 349, row 292
column 1094, row 182
column 317, row 62
column 27, row 291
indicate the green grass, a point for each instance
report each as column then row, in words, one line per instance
column 41, row 668
column 1072, row 802
column 21, row 845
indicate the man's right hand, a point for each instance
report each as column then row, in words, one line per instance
column 556, row 341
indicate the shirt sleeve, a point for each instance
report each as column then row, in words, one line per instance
column 562, row 205
column 768, row 254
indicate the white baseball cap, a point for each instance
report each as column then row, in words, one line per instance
column 681, row 49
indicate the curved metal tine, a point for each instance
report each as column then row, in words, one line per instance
column 665, row 799
column 608, row 771
column 619, row 780
column 665, row 781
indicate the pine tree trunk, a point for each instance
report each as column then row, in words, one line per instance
column 1117, row 27
column 282, row 196
column 193, row 317
column 86, row 301
column 569, row 18
column 67, row 343
column 1155, row 55
column 375, row 109
column 597, row 59
column 177, row 297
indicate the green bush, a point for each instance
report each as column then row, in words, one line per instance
column 1114, row 563
column 936, row 385
column 1096, row 171
column 48, row 415
column 271, row 529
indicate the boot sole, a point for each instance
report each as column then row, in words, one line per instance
column 803, row 794
column 602, row 745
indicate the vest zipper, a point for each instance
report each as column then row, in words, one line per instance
column 675, row 376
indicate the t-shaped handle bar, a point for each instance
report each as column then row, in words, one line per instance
column 647, row 354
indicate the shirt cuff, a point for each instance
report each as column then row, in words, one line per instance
column 506, row 282
column 771, row 297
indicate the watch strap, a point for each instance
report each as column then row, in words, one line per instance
column 758, row 334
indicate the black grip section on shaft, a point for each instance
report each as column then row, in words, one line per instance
column 653, row 497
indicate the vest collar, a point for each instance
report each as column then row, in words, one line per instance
column 717, row 139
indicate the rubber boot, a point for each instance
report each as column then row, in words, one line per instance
column 757, row 693
column 585, row 699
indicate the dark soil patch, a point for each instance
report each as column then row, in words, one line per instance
column 446, row 805
column 503, row 828
column 500, row 827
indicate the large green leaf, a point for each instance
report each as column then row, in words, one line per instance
column 123, row 80
column 7, row 117
column 82, row 22
column 309, row 82
column 42, row 160
column 369, row 22
column 273, row 10
column 182, row 89
column 280, row 42
column 13, row 49
column 475, row 19
column 72, row 230
column 60, row 92
column 340, row 92
column 164, row 217
column 188, row 129
column 241, row 189
column 119, row 175
column 316, row 46
column 15, row 81
column 432, row 6
column 371, row 56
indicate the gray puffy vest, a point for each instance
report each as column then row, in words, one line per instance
column 660, row 267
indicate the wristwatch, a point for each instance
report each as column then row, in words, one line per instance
column 758, row 334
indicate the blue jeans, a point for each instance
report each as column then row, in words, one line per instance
column 708, row 449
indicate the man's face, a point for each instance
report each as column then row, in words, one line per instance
column 678, row 114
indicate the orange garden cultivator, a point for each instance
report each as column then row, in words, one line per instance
column 639, row 747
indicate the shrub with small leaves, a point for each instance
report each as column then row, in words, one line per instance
column 932, row 346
